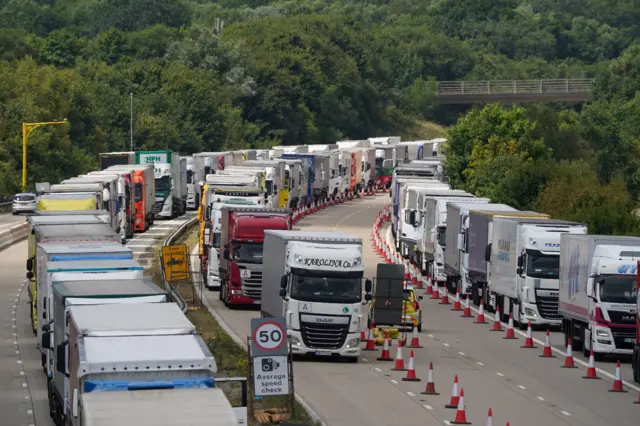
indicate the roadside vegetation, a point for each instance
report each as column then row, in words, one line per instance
column 316, row 71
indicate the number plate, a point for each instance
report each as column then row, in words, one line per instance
column 323, row 353
column 245, row 273
column 256, row 302
column 630, row 340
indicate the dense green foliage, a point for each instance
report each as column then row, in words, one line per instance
column 306, row 71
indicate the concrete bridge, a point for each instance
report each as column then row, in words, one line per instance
column 514, row 91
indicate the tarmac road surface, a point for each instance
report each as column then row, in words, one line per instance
column 519, row 385
column 7, row 220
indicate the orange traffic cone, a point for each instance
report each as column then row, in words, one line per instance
column 385, row 356
column 436, row 291
column 399, row 360
column 591, row 369
column 617, row 383
column 415, row 340
column 461, row 415
column 429, row 289
column 363, row 336
column 445, row 296
column 490, row 418
column 480, row 318
column 497, row 326
column 455, row 395
column 371, row 344
column 431, row 386
column 547, row 352
column 467, row 309
column 456, row 304
column 638, row 401
column 510, row 333
column 411, row 372
column 528, row 341
column 568, row 359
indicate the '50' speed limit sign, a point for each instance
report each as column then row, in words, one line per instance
column 268, row 336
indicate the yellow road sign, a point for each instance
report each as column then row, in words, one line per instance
column 175, row 262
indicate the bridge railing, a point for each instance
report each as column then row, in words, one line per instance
column 513, row 87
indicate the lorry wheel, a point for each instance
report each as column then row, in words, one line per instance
column 635, row 365
column 353, row 359
column 475, row 294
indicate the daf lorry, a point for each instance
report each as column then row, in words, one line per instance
column 66, row 351
column 479, row 232
column 265, row 176
column 277, row 174
column 144, row 193
column 457, row 257
column 108, row 159
column 598, row 292
column 524, row 268
column 241, row 242
column 170, row 184
column 402, row 198
column 320, row 175
column 314, row 280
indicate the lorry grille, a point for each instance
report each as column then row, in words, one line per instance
column 252, row 287
column 323, row 336
column 618, row 317
column 548, row 307
column 622, row 334
column 157, row 207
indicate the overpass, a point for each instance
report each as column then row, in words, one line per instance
column 514, row 91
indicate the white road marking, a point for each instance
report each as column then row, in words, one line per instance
column 565, row 413
column 394, row 382
column 522, row 387
column 462, row 353
column 500, row 374
column 377, row 369
column 428, row 407
column 411, row 394
column 430, row 335
column 540, row 398
column 446, row 344
column 479, row 363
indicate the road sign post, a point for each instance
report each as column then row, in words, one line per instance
column 270, row 361
column 175, row 262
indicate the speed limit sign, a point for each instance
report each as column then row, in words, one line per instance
column 268, row 336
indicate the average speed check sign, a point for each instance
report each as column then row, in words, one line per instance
column 268, row 336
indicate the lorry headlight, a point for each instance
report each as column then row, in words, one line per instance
column 298, row 258
column 295, row 341
column 530, row 312
column 602, row 332
column 353, row 343
column 357, row 261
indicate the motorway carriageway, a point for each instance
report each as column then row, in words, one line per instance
column 7, row 221
column 516, row 383
column 23, row 384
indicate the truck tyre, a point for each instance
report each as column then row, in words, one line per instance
column 475, row 294
column 635, row 364
column 353, row 359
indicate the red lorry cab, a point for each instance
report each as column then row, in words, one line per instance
column 140, row 223
column 635, row 360
column 241, row 242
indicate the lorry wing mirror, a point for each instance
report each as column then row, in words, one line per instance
column 30, row 264
column 460, row 242
column 519, row 270
column 61, row 354
column 30, row 275
column 368, row 297
column 368, row 286
column 520, row 261
column 225, row 254
column 207, row 213
column 407, row 216
column 590, row 288
column 46, row 340
column 283, row 292
column 283, row 282
column 487, row 253
column 412, row 218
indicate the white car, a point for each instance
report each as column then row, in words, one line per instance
column 24, row 203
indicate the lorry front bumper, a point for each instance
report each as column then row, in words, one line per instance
column 351, row 348
column 530, row 313
column 213, row 281
column 604, row 342
column 440, row 273
column 236, row 298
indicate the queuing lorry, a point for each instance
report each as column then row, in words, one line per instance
column 144, row 193
column 272, row 198
column 259, row 174
column 277, row 174
column 433, row 241
column 170, row 184
column 314, row 280
column 33, row 238
column 598, row 292
column 402, row 198
column 479, row 234
column 130, row 333
column 78, row 270
column 241, row 241
column 157, row 407
column 635, row 358
column 67, row 352
column 69, row 202
column 127, row 188
column 108, row 159
column 524, row 268
column 87, row 190
column 193, row 196
column 319, row 176
column 456, row 259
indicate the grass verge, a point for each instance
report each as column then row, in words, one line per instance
column 231, row 358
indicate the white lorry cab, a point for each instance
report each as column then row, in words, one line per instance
column 314, row 280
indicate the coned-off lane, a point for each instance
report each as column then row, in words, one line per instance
column 23, row 389
column 369, row 393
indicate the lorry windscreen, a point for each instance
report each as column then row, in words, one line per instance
column 215, row 240
column 442, row 236
column 247, row 252
column 543, row 265
column 163, row 184
column 137, row 192
column 618, row 289
column 323, row 289
column 269, row 187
